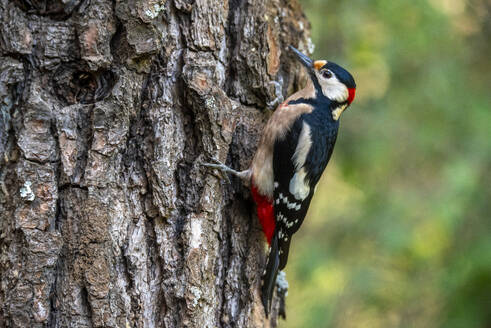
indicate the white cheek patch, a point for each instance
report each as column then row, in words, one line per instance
column 299, row 187
column 334, row 89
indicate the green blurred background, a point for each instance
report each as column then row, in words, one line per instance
column 399, row 232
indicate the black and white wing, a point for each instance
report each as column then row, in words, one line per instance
column 298, row 162
column 292, row 194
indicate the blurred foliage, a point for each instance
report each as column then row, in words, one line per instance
column 399, row 232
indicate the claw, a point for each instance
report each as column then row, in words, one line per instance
column 217, row 161
column 214, row 166
column 219, row 167
column 224, row 169
column 243, row 175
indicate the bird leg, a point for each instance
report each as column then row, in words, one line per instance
column 243, row 175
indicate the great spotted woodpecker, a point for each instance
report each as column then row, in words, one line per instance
column 294, row 150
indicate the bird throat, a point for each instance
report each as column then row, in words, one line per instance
column 336, row 113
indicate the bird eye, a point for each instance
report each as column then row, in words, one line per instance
column 326, row 74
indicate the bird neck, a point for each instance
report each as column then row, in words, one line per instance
column 312, row 96
column 303, row 95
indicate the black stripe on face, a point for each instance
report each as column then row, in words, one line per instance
column 343, row 75
column 317, row 85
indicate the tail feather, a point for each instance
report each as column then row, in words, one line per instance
column 284, row 246
column 269, row 278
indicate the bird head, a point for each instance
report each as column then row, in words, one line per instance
column 329, row 79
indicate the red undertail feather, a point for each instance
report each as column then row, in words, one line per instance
column 265, row 213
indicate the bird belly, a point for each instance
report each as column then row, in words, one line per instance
column 262, row 172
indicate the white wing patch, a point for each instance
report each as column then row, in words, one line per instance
column 303, row 146
column 299, row 187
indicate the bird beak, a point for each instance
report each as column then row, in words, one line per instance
column 306, row 61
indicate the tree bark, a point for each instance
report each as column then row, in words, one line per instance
column 107, row 110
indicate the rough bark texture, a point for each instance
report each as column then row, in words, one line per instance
column 107, row 109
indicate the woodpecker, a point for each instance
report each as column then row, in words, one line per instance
column 295, row 147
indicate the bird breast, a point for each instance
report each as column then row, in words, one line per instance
column 276, row 128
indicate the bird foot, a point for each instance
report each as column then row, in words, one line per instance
column 219, row 166
column 243, row 175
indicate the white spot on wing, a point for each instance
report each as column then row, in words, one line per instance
column 292, row 205
column 289, row 205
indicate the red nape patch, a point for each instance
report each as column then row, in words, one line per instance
column 351, row 94
column 265, row 213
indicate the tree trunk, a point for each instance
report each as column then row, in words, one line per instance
column 108, row 108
